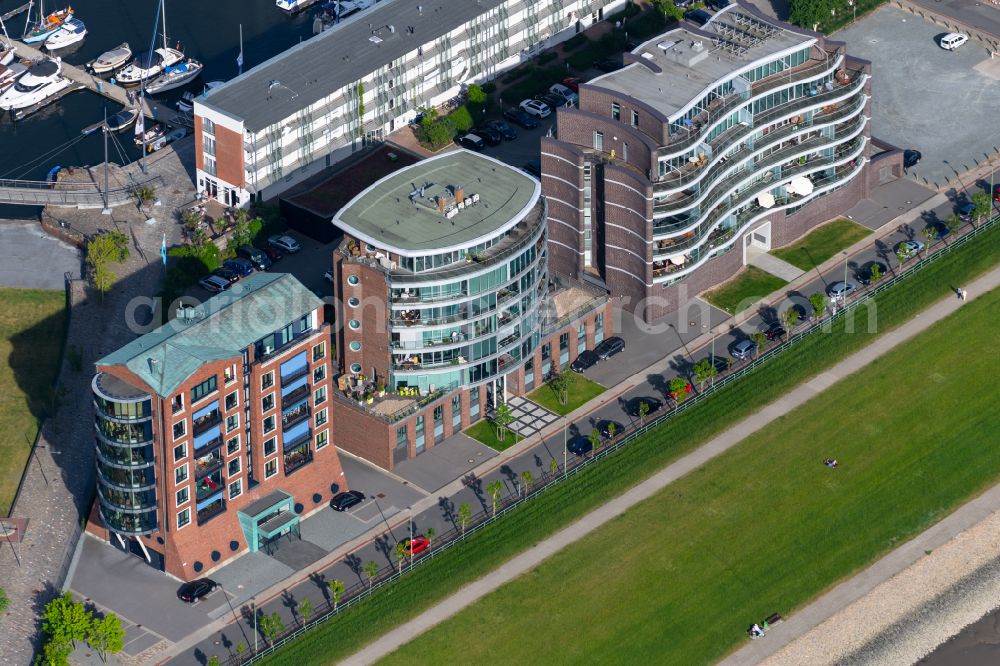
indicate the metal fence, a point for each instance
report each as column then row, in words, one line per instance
column 29, row 192
column 443, row 543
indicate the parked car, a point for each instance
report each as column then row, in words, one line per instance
column 604, row 427
column 507, row 132
column 773, row 331
column 522, row 118
column 910, row 247
column 609, row 347
column 719, row 4
column 953, row 40
column 840, row 290
column 213, row 283
column 552, row 100
column 535, row 108
column 534, row 167
column 996, row 192
column 284, row 243
column 491, row 136
column 259, row 258
column 416, row 545
column 194, row 590
column 579, row 445
column 743, row 349
column 573, row 83
column 242, row 267
column 586, row 359
column 611, row 64
column 471, row 141
column 632, row 408
column 911, row 158
column 699, row 16
column 864, row 274
column 345, row 500
column 965, row 211
column 721, row 363
column 569, row 95
column 227, row 274
column 272, row 253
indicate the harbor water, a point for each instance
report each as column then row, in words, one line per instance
column 206, row 31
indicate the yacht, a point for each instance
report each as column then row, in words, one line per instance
column 72, row 32
column 293, row 6
column 9, row 74
column 147, row 66
column 111, row 60
column 41, row 81
column 47, row 25
column 175, row 76
column 7, row 52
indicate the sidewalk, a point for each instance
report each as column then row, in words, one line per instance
column 803, row 620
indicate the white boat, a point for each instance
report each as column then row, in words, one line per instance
column 168, row 138
column 186, row 103
column 175, row 76
column 148, row 65
column 9, row 74
column 6, row 53
column 336, row 11
column 72, row 32
column 47, row 25
column 293, row 6
column 111, row 60
column 41, row 81
column 122, row 120
column 151, row 134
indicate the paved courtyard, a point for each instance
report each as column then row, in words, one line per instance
column 31, row 259
column 529, row 417
column 443, row 463
column 926, row 98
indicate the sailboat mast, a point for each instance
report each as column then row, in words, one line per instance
column 27, row 20
column 163, row 19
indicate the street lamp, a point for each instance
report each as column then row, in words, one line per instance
column 850, row 3
column 410, row 510
column 845, row 276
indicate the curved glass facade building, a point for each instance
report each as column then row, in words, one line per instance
column 126, row 476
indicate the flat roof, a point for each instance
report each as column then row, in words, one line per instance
column 693, row 60
column 322, row 65
column 400, row 212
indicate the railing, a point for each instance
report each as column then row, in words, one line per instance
column 296, row 415
column 41, row 193
column 293, row 461
column 295, row 394
column 211, row 511
column 388, row 575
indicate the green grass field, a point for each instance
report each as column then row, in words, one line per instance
column 765, row 527
column 740, row 293
column 582, row 391
column 486, row 433
column 32, row 331
column 560, row 505
column 822, row 243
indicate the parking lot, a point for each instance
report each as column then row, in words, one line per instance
column 925, row 97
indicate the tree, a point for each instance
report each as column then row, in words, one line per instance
column 144, row 193
column 213, row 661
column 336, row 588
column 561, row 385
column 106, row 636
column 54, row 653
column 527, row 479
column 704, row 370
column 954, row 222
column 399, row 554
column 612, row 431
column 464, row 515
column 679, row 388
column 643, row 411
column 306, row 610
column 371, row 570
column 818, row 302
column 476, row 94
column 553, row 466
column 103, row 250
column 983, row 206
column 759, row 340
column 595, row 439
column 809, row 13
column 791, row 317
column 199, row 238
column 66, row 621
column 502, row 417
column 494, row 489
column 190, row 220
column 875, row 273
column 241, row 233
column 902, row 254
column 930, row 233
column 431, row 533
column 240, row 649
column 271, row 626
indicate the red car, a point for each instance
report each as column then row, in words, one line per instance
column 573, row 83
column 996, row 193
column 416, row 545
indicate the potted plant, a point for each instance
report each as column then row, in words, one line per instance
column 381, row 389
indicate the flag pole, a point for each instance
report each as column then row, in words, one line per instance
column 239, row 60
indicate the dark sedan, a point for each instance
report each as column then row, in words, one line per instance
column 506, row 131
column 553, row 100
column 866, row 274
column 585, row 360
column 226, row 274
column 516, row 115
column 773, row 331
column 609, row 347
column 609, row 429
column 242, row 267
column 653, row 404
column 579, row 445
column 491, row 136
column 345, row 500
column 196, row 589
column 911, row 158
column 272, row 253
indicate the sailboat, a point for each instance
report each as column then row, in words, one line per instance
column 148, row 65
column 71, row 32
column 46, row 24
column 7, row 49
column 175, row 76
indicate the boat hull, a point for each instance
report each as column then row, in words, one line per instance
column 13, row 102
column 111, row 60
column 165, row 82
column 134, row 75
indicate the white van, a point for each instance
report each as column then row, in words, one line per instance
column 953, row 40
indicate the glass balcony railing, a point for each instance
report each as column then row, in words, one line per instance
column 128, row 523
column 211, row 510
column 209, row 484
column 204, row 423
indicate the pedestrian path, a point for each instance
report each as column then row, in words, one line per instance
column 800, row 622
column 529, row 417
column 771, row 264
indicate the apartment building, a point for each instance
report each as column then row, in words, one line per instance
column 316, row 103
column 213, row 431
column 446, row 305
column 713, row 142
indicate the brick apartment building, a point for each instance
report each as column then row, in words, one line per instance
column 213, row 432
column 712, row 143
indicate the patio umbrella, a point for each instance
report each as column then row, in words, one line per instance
column 801, row 185
column 676, row 260
column 765, row 199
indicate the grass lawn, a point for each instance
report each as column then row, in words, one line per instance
column 32, row 331
column 487, row 434
column 743, row 291
column 580, row 392
column 766, row 527
column 822, row 243
column 590, row 488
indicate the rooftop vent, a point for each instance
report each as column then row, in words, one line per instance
column 375, row 39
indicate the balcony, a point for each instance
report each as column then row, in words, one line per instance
column 295, row 394
column 204, row 423
column 211, row 510
column 295, row 374
column 296, row 459
column 207, row 464
column 210, row 484
column 295, row 414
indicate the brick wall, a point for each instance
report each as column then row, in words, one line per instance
column 372, row 312
column 562, row 183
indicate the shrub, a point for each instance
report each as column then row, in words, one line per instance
column 476, row 94
column 575, row 42
column 546, row 57
column 489, row 87
column 516, row 74
column 461, row 119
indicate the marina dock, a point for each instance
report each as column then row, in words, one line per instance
column 14, row 12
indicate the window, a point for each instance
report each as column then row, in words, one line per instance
column 267, row 381
column 180, row 475
column 234, row 468
column 207, row 126
column 271, row 468
column 203, row 389
column 183, row 495
column 232, row 401
column 267, row 403
column 354, row 301
column 183, row 518
column 210, row 166
column 401, row 438
column 319, row 351
column 233, row 445
column 319, row 373
column 616, row 110
column 354, row 324
column 624, row 151
column 319, row 395
column 177, row 404
column 352, row 280
column 179, row 429
column 232, row 422
column 635, row 118
column 598, row 141
column 235, row 489
column 209, row 144
column 229, row 375
column 269, row 424
column 355, row 346
column 355, row 367
column 322, row 439
column 180, row 452
column 320, row 417
column 269, row 447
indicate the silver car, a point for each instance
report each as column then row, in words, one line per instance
column 840, row 290
column 910, row 247
column 743, row 349
column 284, row 243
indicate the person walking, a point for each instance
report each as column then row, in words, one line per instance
column 965, row 294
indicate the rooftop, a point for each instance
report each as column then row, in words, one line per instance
column 691, row 63
column 321, row 66
column 415, row 210
column 220, row 328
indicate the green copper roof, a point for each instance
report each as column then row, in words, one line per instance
column 220, row 328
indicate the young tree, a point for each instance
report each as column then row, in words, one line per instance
column 305, row 610
column 190, row 220
column 809, row 13
column 464, row 515
column 679, row 389
column 106, row 636
column 902, row 255
column 371, row 570
column 759, row 340
column 476, row 94
column 526, row 480
column 983, row 205
column 54, row 653
column 818, row 302
column 704, row 370
column 65, row 620
column 494, row 489
column 875, row 272
column 399, row 554
column 930, row 234
column 240, row 649
column 241, row 233
column 791, row 317
column 213, row 661
column 595, row 440
column 431, row 533
column 954, row 222
column 643, row 411
column 102, row 251
column 336, row 588
column 612, row 431
column 502, row 418
column 561, row 385
column 553, row 466
column 271, row 626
